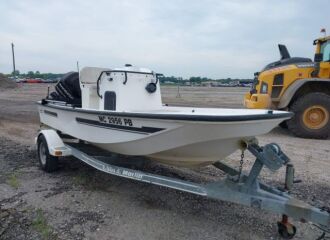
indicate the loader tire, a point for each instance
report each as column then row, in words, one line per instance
column 311, row 116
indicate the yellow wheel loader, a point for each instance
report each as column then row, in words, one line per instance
column 299, row 85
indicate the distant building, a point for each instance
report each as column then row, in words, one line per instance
column 208, row 83
column 168, row 82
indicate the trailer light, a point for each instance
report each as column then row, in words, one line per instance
column 58, row 153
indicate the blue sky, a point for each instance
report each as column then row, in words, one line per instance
column 176, row 37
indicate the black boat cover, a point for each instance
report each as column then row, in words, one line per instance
column 68, row 89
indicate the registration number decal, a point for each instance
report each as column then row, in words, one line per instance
column 116, row 120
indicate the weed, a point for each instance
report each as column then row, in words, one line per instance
column 81, row 179
column 13, row 181
column 40, row 225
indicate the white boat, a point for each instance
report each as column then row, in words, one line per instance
column 121, row 111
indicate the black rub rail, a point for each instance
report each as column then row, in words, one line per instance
column 180, row 117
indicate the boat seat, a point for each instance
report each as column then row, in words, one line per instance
column 89, row 75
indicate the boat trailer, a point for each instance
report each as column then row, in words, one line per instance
column 236, row 187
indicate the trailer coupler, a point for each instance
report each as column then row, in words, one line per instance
column 250, row 192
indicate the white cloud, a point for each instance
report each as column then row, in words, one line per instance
column 176, row 37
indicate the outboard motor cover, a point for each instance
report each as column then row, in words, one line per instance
column 68, row 89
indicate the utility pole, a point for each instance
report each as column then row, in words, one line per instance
column 178, row 95
column 78, row 67
column 13, row 52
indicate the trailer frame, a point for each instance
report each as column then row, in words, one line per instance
column 236, row 187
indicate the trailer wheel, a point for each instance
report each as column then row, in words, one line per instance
column 47, row 162
column 312, row 116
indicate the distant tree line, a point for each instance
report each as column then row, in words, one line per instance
column 199, row 80
column 36, row 74
column 163, row 79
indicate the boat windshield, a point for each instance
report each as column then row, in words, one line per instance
column 325, row 50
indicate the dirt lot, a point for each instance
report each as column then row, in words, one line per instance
column 78, row 202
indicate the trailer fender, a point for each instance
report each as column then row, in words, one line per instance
column 294, row 87
column 55, row 144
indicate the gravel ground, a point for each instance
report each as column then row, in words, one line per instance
column 78, row 202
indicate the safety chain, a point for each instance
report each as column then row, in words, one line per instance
column 241, row 165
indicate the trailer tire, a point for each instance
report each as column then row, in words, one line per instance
column 311, row 116
column 47, row 162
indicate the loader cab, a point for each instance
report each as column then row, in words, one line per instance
column 322, row 52
column 325, row 51
column 322, row 57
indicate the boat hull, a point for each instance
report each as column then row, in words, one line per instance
column 179, row 142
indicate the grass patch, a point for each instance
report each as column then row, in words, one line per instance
column 81, row 178
column 87, row 181
column 40, row 225
column 13, row 181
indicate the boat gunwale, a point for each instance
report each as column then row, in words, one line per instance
column 181, row 117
